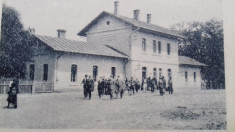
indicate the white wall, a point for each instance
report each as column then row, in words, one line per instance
column 190, row 84
column 39, row 61
column 85, row 65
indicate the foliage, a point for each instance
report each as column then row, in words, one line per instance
column 15, row 48
column 205, row 43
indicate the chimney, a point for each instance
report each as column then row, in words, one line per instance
column 116, row 8
column 148, row 18
column 61, row 33
column 136, row 14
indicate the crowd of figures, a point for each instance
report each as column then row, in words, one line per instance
column 116, row 87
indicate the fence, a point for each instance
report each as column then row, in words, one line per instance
column 27, row 87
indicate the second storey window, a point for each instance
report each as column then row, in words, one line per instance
column 154, row 46
column 143, row 44
column 73, row 73
column 168, row 49
column 45, row 72
column 159, row 47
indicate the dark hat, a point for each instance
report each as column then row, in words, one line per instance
column 85, row 75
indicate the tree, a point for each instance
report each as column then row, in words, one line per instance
column 15, row 47
column 205, row 43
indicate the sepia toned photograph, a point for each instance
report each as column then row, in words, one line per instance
column 112, row 65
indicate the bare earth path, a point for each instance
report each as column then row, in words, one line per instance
column 204, row 109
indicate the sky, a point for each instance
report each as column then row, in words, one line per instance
column 46, row 16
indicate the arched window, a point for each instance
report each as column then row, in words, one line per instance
column 186, row 76
column 113, row 71
column 45, row 72
column 144, row 72
column 73, row 73
column 95, row 72
column 169, row 73
column 143, row 44
column 155, row 72
column 168, row 49
column 160, row 72
column 31, row 71
column 159, row 47
column 154, row 46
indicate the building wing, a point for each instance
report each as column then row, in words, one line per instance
column 184, row 60
column 72, row 46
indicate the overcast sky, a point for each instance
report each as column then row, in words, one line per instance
column 46, row 16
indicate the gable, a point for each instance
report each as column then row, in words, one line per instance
column 107, row 23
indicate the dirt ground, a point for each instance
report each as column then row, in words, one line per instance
column 184, row 110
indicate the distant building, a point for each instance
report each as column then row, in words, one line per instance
column 116, row 45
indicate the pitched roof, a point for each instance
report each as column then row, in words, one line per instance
column 133, row 22
column 72, row 46
column 184, row 60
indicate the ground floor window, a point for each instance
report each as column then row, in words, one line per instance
column 31, row 71
column 144, row 72
column 113, row 71
column 95, row 72
column 169, row 73
column 45, row 72
column 73, row 73
column 186, row 76
column 195, row 77
column 155, row 72
column 160, row 72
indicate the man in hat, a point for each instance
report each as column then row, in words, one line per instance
column 90, row 86
column 119, row 87
column 100, row 87
column 85, row 86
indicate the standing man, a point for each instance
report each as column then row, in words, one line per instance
column 161, row 86
column 112, row 86
column 90, row 87
column 15, row 89
column 164, row 84
column 100, row 87
column 137, row 85
column 132, row 85
column 170, row 88
column 85, row 86
column 117, row 88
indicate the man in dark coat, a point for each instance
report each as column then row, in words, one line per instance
column 161, row 86
column 170, row 88
column 100, row 87
column 90, row 86
column 85, row 86
column 118, row 85
column 132, row 84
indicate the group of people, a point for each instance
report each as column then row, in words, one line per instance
column 115, row 87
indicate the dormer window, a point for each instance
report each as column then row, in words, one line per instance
column 107, row 22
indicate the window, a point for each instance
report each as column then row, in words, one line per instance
column 155, row 72
column 195, row 76
column 113, row 71
column 31, row 71
column 143, row 44
column 159, row 47
column 45, row 72
column 186, row 76
column 95, row 72
column 144, row 72
column 160, row 72
column 107, row 22
column 154, row 46
column 169, row 73
column 73, row 73
column 168, row 49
